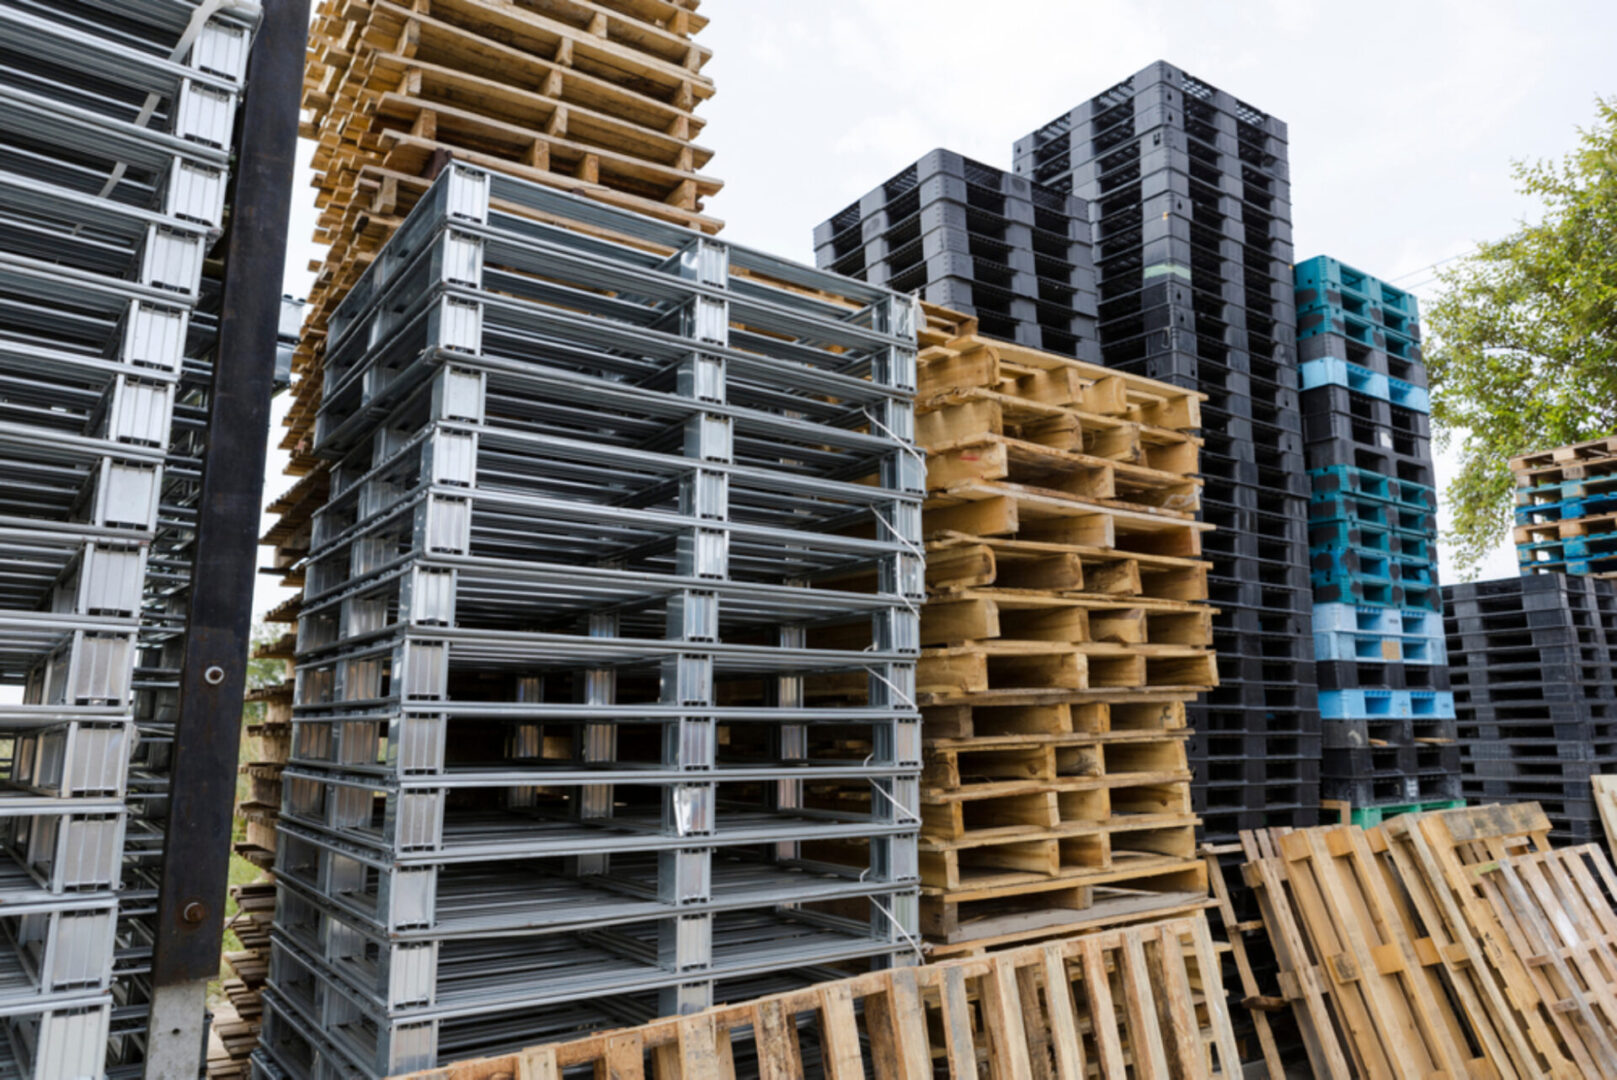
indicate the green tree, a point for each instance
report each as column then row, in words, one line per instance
column 1522, row 344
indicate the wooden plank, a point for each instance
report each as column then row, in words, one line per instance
column 776, row 1040
column 909, row 1025
column 1147, row 1051
column 625, row 1057
column 1066, row 1045
column 1605, row 796
column 1002, row 1017
column 1102, row 1012
column 1229, row 1055
column 960, row 1047
column 839, row 1034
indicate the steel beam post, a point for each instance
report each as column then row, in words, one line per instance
column 196, row 856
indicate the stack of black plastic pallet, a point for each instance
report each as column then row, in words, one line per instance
column 605, row 680
column 1533, row 661
column 1189, row 191
column 979, row 240
column 118, row 119
column 1378, row 635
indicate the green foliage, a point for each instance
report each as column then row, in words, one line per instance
column 1522, row 345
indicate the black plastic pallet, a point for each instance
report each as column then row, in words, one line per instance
column 1361, row 732
column 1348, row 675
column 1392, row 790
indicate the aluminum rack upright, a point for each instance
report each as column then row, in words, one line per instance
column 116, row 124
column 605, row 687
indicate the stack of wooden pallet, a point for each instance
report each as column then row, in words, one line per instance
column 1456, row 943
column 594, row 96
column 236, row 1021
column 1066, row 627
column 1137, row 1001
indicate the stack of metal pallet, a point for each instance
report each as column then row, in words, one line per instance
column 112, row 192
column 1566, row 509
column 605, row 699
column 1012, row 254
column 1387, row 713
column 1533, row 661
column 1191, row 196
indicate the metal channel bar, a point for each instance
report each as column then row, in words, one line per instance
column 190, row 902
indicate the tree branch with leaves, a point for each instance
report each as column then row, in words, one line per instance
column 1521, row 348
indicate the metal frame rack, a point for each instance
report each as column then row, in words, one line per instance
column 1013, row 254
column 1190, row 194
column 1385, row 706
column 112, row 191
column 1533, row 661
column 606, row 658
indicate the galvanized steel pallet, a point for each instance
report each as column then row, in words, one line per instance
column 690, row 711
column 110, row 199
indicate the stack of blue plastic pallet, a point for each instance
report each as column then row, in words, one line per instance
column 1566, row 509
column 1387, row 712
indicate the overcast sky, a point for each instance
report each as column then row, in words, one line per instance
column 1404, row 117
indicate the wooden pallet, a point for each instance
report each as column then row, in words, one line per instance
column 1453, row 943
column 1561, row 456
column 1604, row 789
column 1138, row 1001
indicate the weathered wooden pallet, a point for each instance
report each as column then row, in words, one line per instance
column 1451, row 943
column 1554, row 909
column 1382, row 992
column 1563, row 455
column 1134, row 1001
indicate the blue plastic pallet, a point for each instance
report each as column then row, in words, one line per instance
column 1370, row 326
column 1331, row 371
column 1340, row 590
column 1359, row 510
column 1568, row 509
column 1379, row 648
column 1365, row 536
column 1325, row 273
column 1386, row 704
column 1567, row 489
column 1334, row 480
column 1364, row 619
column 1367, row 564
